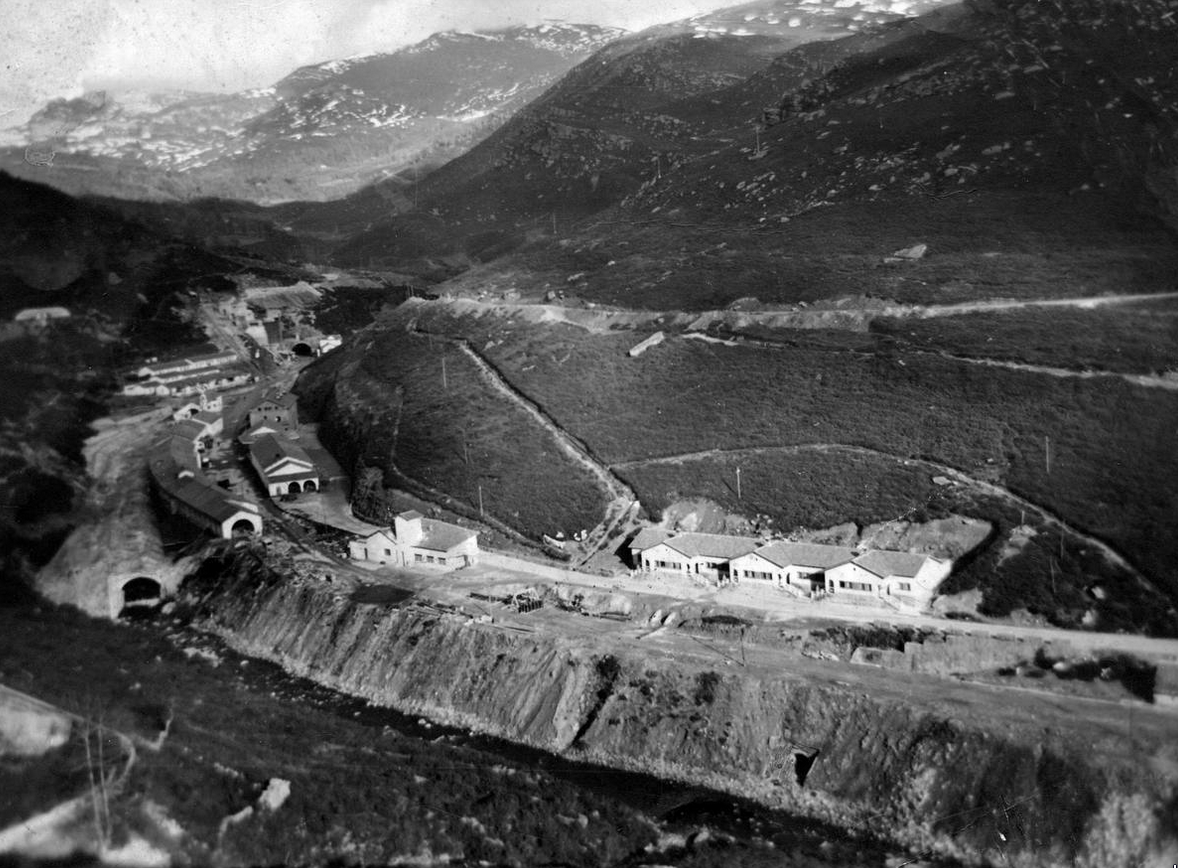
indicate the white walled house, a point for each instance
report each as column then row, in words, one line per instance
column 706, row 555
column 163, row 371
column 900, row 579
column 203, row 403
column 41, row 315
column 416, row 541
column 907, row 579
column 793, row 566
column 283, row 467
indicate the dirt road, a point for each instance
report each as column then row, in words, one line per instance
column 1045, row 514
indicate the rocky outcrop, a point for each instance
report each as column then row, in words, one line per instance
column 1012, row 794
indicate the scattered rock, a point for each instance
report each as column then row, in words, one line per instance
column 916, row 251
column 275, row 795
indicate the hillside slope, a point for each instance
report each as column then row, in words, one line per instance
column 871, row 273
column 319, row 133
column 126, row 289
column 605, row 127
column 1022, row 176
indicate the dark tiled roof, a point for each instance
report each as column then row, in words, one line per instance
column 189, row 429
column 211, row 500
column 268, row 449
column 410, row 515
column 439, row 536
column 885, row 564
column 647, row 538
column 795, row 554
column 712, row 545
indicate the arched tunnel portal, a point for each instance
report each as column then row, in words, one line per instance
column 141, row 592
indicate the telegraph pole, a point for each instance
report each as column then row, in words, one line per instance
column 738, row 497
column 445, row 385
column 481, row 499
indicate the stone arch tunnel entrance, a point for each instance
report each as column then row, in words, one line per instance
column 142, row 592
column 244, row 527
column 302, row 349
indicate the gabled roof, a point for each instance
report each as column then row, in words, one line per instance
column 885, row 564
column 257, row 432
column 797, row 554
column 214, row 502
column 181, row 451
column 207, row 417
column 648, row 537
column 268, row 450
column 410, row 515
column 383, row 532
column 712, row 545
column 189, row 429
column 440, row 536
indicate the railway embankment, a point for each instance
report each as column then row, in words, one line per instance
column 948, row 768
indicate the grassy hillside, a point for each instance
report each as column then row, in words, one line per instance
column 1023, row 144
column 420, row 409
column 1033, row 158
column 827, row 431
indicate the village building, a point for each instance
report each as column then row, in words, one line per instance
column 414, row 540
column 706, row 555
column 190, row 494
column 284, row 467
column 793, row 566
column 40, row 316
column 195, row 381
column 277, row 410
column 174, row 369
column 811, row 570
column 212, row 422
column 905, row 578
column 203, row 403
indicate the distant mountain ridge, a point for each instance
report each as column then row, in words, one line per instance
column 321, row 132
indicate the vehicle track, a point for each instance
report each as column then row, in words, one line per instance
column 621, row 496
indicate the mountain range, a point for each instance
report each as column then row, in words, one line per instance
column 321, row 132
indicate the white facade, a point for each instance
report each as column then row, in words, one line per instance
column 852, row 579
column 663, row 557
column 414, row 541
column 754, row 567
column 913, row 584
column 284, row 468
column 900, row 579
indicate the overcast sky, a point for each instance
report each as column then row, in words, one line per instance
column 53, row 48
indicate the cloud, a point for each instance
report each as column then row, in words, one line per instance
column 55, row 48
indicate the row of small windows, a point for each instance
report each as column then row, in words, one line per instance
column 419, row 558
column 856, row 586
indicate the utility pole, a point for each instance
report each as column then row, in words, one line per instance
column 554, row 223
column 445, row 385
column 481, row 499
column 738, row 497
column 1047, row 452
